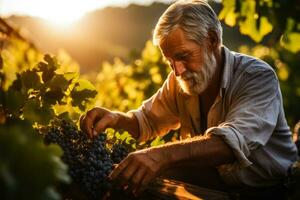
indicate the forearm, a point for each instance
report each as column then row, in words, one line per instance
column 128, row 122
column 203, row 151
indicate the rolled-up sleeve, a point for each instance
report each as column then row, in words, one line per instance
column 251, row 115
column 159, row 114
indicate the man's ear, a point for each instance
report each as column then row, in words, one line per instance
column 213, row 40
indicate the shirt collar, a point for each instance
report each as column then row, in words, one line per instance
column 227, row 69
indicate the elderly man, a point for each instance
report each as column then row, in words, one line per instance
column 227, row 106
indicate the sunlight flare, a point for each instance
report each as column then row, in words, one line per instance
column 61, row 12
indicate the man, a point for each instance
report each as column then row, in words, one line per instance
column 227, row 106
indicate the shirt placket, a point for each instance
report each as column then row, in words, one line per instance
column 214, row 113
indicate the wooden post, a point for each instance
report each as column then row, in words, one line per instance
column 171, row 189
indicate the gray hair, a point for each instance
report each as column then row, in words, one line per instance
column 195, row 17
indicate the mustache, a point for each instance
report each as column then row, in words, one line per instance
column 186, row 75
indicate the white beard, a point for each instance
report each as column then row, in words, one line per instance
column 194, row 83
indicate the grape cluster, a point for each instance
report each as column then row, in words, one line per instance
column 119, row 152
column 89, row 160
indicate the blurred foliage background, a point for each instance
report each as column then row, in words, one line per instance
column 110, row 61
column 275, row 28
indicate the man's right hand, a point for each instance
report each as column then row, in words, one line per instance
column 97, row 120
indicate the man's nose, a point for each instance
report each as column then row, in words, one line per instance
column 178, row 68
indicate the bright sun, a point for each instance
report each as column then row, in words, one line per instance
column 60, row 12
column 62, row 18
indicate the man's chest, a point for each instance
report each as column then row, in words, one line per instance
column 209, row 110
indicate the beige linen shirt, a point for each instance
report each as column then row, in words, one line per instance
column 247, row 113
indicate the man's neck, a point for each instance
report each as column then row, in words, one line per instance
column 214, row 86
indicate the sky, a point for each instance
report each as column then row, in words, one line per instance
column 60, row 11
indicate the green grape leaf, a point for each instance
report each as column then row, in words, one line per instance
column 80, row 98
column 41, row 67
column 48, row 71
column 52, row 62
column 17, row 84
column 59, row 80
column 228, row 12
column 249, row 27
column 291, row 41
column 34, row 112
column 83, row 84
column 251, row 23
column 54, row 95
column 157, row 141
column 30, row 79
column 123, row 137
column 70, row 76
column 14, row 100
column 64, row 115
column 82, row 92
column 24, row 158
column 47, row 75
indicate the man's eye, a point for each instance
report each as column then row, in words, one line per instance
column 183, row 57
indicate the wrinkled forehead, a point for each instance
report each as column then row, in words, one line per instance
column 176, row 42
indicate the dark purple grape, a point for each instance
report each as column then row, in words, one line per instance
column 89, row 161
column 119, row 152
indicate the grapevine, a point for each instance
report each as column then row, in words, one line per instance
column 90, row 160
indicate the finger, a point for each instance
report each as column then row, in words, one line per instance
column 138, row 176
column 120, row 167
column 128, row 172
column 124, row 177
column 89, row 120
column 137, row 180
column 148, row 177
column 106, row 121
column 81, row 121
column 87, row 126
column 83, row 125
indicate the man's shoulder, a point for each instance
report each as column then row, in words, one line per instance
column 250, row 65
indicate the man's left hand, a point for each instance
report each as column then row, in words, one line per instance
column 139, row 168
